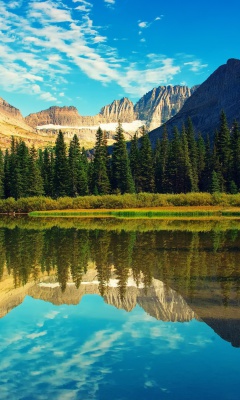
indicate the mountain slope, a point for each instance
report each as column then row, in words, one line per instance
column 12, row 123
column 221, row 91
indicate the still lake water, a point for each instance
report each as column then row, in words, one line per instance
column 114, row 309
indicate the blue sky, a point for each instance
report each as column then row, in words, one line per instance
column 88, row 53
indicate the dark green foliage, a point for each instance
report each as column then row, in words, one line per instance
column 77, row 170
column 215, row 184
column 193, row 155
column 47, row 171
column 146, row 168
column 61, row 168
column 34, row 178
column 134, row 158
column 100, row 179
column 1, row 176
column 178, row 165
column 235, row 156
column 223, row 152
column 122, row 180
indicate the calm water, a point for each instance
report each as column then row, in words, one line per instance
column 119, row 309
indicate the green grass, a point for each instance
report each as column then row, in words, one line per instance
column 126, row 214
column 127, row 202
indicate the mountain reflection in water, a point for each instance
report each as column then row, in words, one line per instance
column 174, row 275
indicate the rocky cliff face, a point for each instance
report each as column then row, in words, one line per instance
column 12, row 115
column 154, row 109
column 221, row 91
column 161, row 104
column 119, row 110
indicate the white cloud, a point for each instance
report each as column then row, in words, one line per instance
column 36, row 335
column 196, row 65
column 109, row 1
column 99, row 39
column 47, row 11
column 15, row 4
column 143, row 24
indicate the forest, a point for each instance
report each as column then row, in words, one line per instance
column 181, row 162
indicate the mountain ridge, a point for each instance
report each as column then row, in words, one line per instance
column 220, row 91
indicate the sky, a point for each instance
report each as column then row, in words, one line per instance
column 88, row 53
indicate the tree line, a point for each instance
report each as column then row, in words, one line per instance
column 180, row 164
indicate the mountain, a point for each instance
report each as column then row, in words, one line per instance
column 221, row 91
column 160, row 104
column 12, row 123
column 154, row 108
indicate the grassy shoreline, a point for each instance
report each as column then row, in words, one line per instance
column 149, row 212
column 147, row 204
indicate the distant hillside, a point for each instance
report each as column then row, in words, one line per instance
column 12, row 123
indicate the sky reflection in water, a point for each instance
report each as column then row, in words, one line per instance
column 95, row 351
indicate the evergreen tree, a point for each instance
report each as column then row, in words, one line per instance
column 235, row 155
column 7, row 175
column 186, row 180
column 173, row 183
column 83, row 173
column 19, row 167
column 158, row 167
column 47, row 172
column 223, row 150
column 121, row 174
column 134, row 158
column 193, row 155
column 205, row 164
column 34, row 178
column 61, row 168
column 100, row 177
column 146, row 178
column 1, row 175
column 215, row 186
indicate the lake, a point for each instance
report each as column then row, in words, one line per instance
column 119, row 309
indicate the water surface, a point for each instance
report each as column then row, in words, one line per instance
column 119, row 312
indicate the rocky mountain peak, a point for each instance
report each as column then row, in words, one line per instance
column 161, row 104
column 221, row 91
column 119, row 110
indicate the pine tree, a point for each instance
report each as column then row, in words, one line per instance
column 223, row 150
column 74, row 165
column 134, row 158
column 121, row 174
column 61, row 168
column 158, row 167
column 47, row 172
column 215, row 185
column 235, row 155
column 193, row 154
column 7, row 175
column 19, row 167
column 1, row 175
column 146, row 178
column 187, row 181
column 205, row 164
column 173, row 182
column 83, row 173
column 34, row 178
column 100, row 177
